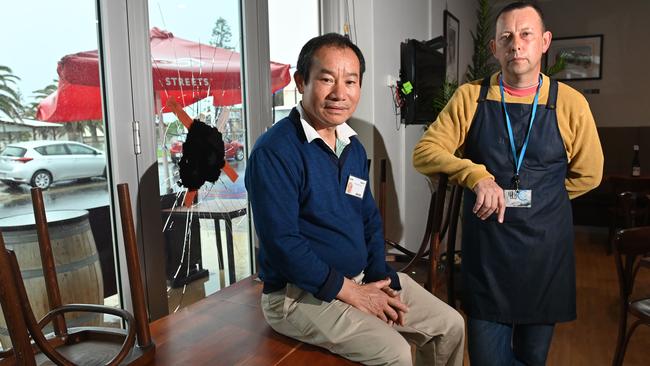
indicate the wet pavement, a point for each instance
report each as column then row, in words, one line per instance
column 93, row 192
column 66, row 195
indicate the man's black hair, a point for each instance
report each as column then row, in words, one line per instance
column 522, row 5
column 306, row 57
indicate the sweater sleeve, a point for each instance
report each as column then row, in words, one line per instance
column 435, row 152
column 584, row 152
column 273, row 189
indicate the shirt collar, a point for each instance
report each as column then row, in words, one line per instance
column 343, row 131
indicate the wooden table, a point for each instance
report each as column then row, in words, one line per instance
column 228, row 328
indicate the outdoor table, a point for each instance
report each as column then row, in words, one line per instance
column 211, row 209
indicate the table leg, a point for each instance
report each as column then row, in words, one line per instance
column 217, row 233
column 231, row 251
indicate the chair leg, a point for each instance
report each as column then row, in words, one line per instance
column 622, row 329
column 133, row 267
column 609, row 245
column 621, row 356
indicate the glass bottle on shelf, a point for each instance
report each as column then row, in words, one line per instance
column 636, row 163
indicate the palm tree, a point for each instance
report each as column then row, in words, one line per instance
column 9, row 96
column 38, row 95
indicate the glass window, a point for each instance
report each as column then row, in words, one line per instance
column 79, row 150
column 13, row 151
column 49, row 98
column 58, row 149
column 285, row 41
column 196, row 62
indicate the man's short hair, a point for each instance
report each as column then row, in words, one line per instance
column 521, row 5
column 306, row 57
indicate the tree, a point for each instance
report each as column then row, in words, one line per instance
column 481, row 66
column 38, row 95
column 221, row 34
column 9, row 95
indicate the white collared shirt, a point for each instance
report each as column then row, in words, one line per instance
column 343, row 132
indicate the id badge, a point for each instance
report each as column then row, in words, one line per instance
column 518, row 198
column 356, row 186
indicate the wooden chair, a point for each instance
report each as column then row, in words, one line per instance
column 630, row 209
column 636, row 213
column 442, row 222
column 630, row 247
column 79, row 345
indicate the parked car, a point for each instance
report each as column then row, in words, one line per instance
column 40, row 163
column 232, row 150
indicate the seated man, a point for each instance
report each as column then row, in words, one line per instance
column 326, row 281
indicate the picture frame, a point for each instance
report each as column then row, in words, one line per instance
column 451, row 26
column 583, row 57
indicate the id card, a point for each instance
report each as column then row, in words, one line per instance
column 356, row 186
column 518, row 198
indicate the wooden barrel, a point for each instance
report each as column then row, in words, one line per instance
column 75, row 257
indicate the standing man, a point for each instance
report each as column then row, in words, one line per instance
column 529, row 144
column 321, row 257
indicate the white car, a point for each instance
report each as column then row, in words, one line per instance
column 39, row 163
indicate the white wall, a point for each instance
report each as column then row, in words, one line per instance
column 381, row 25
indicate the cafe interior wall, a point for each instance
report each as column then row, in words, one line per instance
column 621, row 106
column 378, row 27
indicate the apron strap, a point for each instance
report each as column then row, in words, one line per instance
column 485, row 87
column 552, row 95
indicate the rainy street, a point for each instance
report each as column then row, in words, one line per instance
column 93, row 192
column 81, row 194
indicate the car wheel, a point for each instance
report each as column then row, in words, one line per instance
column 41, row 179
column 240, row 154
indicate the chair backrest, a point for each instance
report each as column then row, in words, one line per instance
column 631, row 209
column 133, row 267
column 442, row 222
column 13, row 313
column 20, row 319
column 630, row 245
column 629, row 184
column 47, row 260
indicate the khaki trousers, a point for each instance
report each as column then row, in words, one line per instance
column 436, row 329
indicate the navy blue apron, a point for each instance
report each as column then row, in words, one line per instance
column 523, row 270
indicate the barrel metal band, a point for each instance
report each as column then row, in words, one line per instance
column 62, row 268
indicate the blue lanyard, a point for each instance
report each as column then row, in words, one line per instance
column 520, row 159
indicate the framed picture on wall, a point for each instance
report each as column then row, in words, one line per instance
column 451, row 33
column 583, row 56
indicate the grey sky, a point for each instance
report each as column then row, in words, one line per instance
column 35, row 34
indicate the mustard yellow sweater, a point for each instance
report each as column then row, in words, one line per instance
column 435, row 151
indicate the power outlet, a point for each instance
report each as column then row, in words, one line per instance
column 391, row 80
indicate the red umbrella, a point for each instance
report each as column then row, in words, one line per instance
column 183, row 70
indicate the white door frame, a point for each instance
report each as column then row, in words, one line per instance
column 128, row 95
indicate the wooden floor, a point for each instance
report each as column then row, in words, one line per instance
column 591, row 339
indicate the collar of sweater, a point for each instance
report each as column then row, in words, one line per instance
column 343, row 131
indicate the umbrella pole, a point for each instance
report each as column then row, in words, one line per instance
column 165, row 162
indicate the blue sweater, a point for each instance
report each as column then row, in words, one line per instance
column 312, row 234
